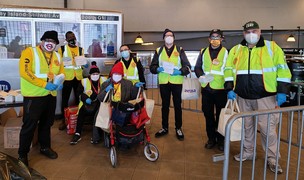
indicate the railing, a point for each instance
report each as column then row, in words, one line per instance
column 291, row 166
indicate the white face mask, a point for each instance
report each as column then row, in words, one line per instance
column 49, row 46
column 252, row 38
column 116, row 77
column 169, row 40
column 94, row 77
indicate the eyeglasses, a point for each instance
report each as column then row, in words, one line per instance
column 169, row 35
column 124, row 50
column 50, row 40
column 215, row 37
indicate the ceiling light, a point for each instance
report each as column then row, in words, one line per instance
column 291, row 38
column 139, row 39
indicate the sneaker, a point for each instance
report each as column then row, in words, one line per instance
column 50, row 153
column 210, row 144
column 272, row 167
column 23, row 160
column 161, row 132
column 179, row 134
column 94, row 141
column 75, row 139
column 245, row 157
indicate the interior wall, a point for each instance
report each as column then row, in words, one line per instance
column 190, row 15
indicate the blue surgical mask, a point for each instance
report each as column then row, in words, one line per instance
column 125, row 54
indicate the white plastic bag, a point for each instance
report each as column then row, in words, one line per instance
column 230, row 109
column 191, row 88
column 149, row 103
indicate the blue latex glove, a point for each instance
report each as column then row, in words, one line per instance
column 85, row 66
column 50, row 86
column 176, row 72
column 89, row 101
column 60, row 87
column 139, row 84
column 109, row 88
column 231, row 95
column 160, row 69
column 281, row 98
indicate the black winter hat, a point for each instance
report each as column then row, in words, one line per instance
column 216, row 31
column 50, row 35
column 94, row 68
column 167, row 30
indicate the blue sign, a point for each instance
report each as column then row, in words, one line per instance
column 5, row 86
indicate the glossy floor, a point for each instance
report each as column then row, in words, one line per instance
column 186, row 159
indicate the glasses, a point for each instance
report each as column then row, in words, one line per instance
column 215, row 37
column 169, row 35
column 50, row 40
column 124, row 50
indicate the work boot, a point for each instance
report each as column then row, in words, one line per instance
column 62, row 125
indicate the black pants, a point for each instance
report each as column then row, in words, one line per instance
column 82, row 114
column 165, row 93
column 37, row 111
column 211, row 98
column 66, row 92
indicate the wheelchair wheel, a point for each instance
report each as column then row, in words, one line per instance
column 151, row 152
column 113, row 156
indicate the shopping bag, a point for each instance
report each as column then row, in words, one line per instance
column 191, row 88
column 70, row 116
column 104, row 115
column 149, row 106
column 139, row 117
column 230, row 109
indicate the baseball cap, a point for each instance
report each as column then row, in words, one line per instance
column 216, row 31
column 251, row 25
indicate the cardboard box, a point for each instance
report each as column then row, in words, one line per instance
column 11, row 132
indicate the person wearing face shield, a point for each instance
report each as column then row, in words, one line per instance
column 120, row 89
column 38, row 68
column 209, row 68
column 88, row 90
column 133, row 69
column 73, row 73
column 171, row 64
column 256, row 74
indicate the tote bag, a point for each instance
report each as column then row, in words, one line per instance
column 104, row 115
column 191, row 88
column 149, row 104
column 230, row 109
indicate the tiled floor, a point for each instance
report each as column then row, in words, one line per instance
column 186, row 159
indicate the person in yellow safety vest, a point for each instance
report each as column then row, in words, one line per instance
column 88, row 89
column 133, row 69
column 38, row 68
column 73, row 72
column 209, row 68
column 256, row 71
column 171, row 64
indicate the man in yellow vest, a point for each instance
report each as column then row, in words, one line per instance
column 256, row 71
column 209, row 68
column 133, row 69
column 72, row 71
column 39, row 67
column 171, row 64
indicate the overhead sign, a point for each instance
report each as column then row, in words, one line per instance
column 29, row 14
column 99, row 17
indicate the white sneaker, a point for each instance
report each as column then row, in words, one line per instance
column 245, row 157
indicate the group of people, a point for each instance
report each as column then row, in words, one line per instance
column 254, row 73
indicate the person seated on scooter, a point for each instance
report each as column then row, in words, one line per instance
column 122, row 89
column 88, row 89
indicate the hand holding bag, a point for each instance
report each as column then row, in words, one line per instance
column 104, row 115
column 191, row 88
column 230, row 109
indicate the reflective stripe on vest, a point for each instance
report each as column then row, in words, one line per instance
column 37, row 63
column 164, row 78
column 132, row 72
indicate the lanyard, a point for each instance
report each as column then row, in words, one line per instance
column 98, row 86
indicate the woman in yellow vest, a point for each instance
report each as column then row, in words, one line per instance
column 88, row 89
column 171, row 64
column 38, row 69
column 133, row 69
column 73, row 73
column 209, row 68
